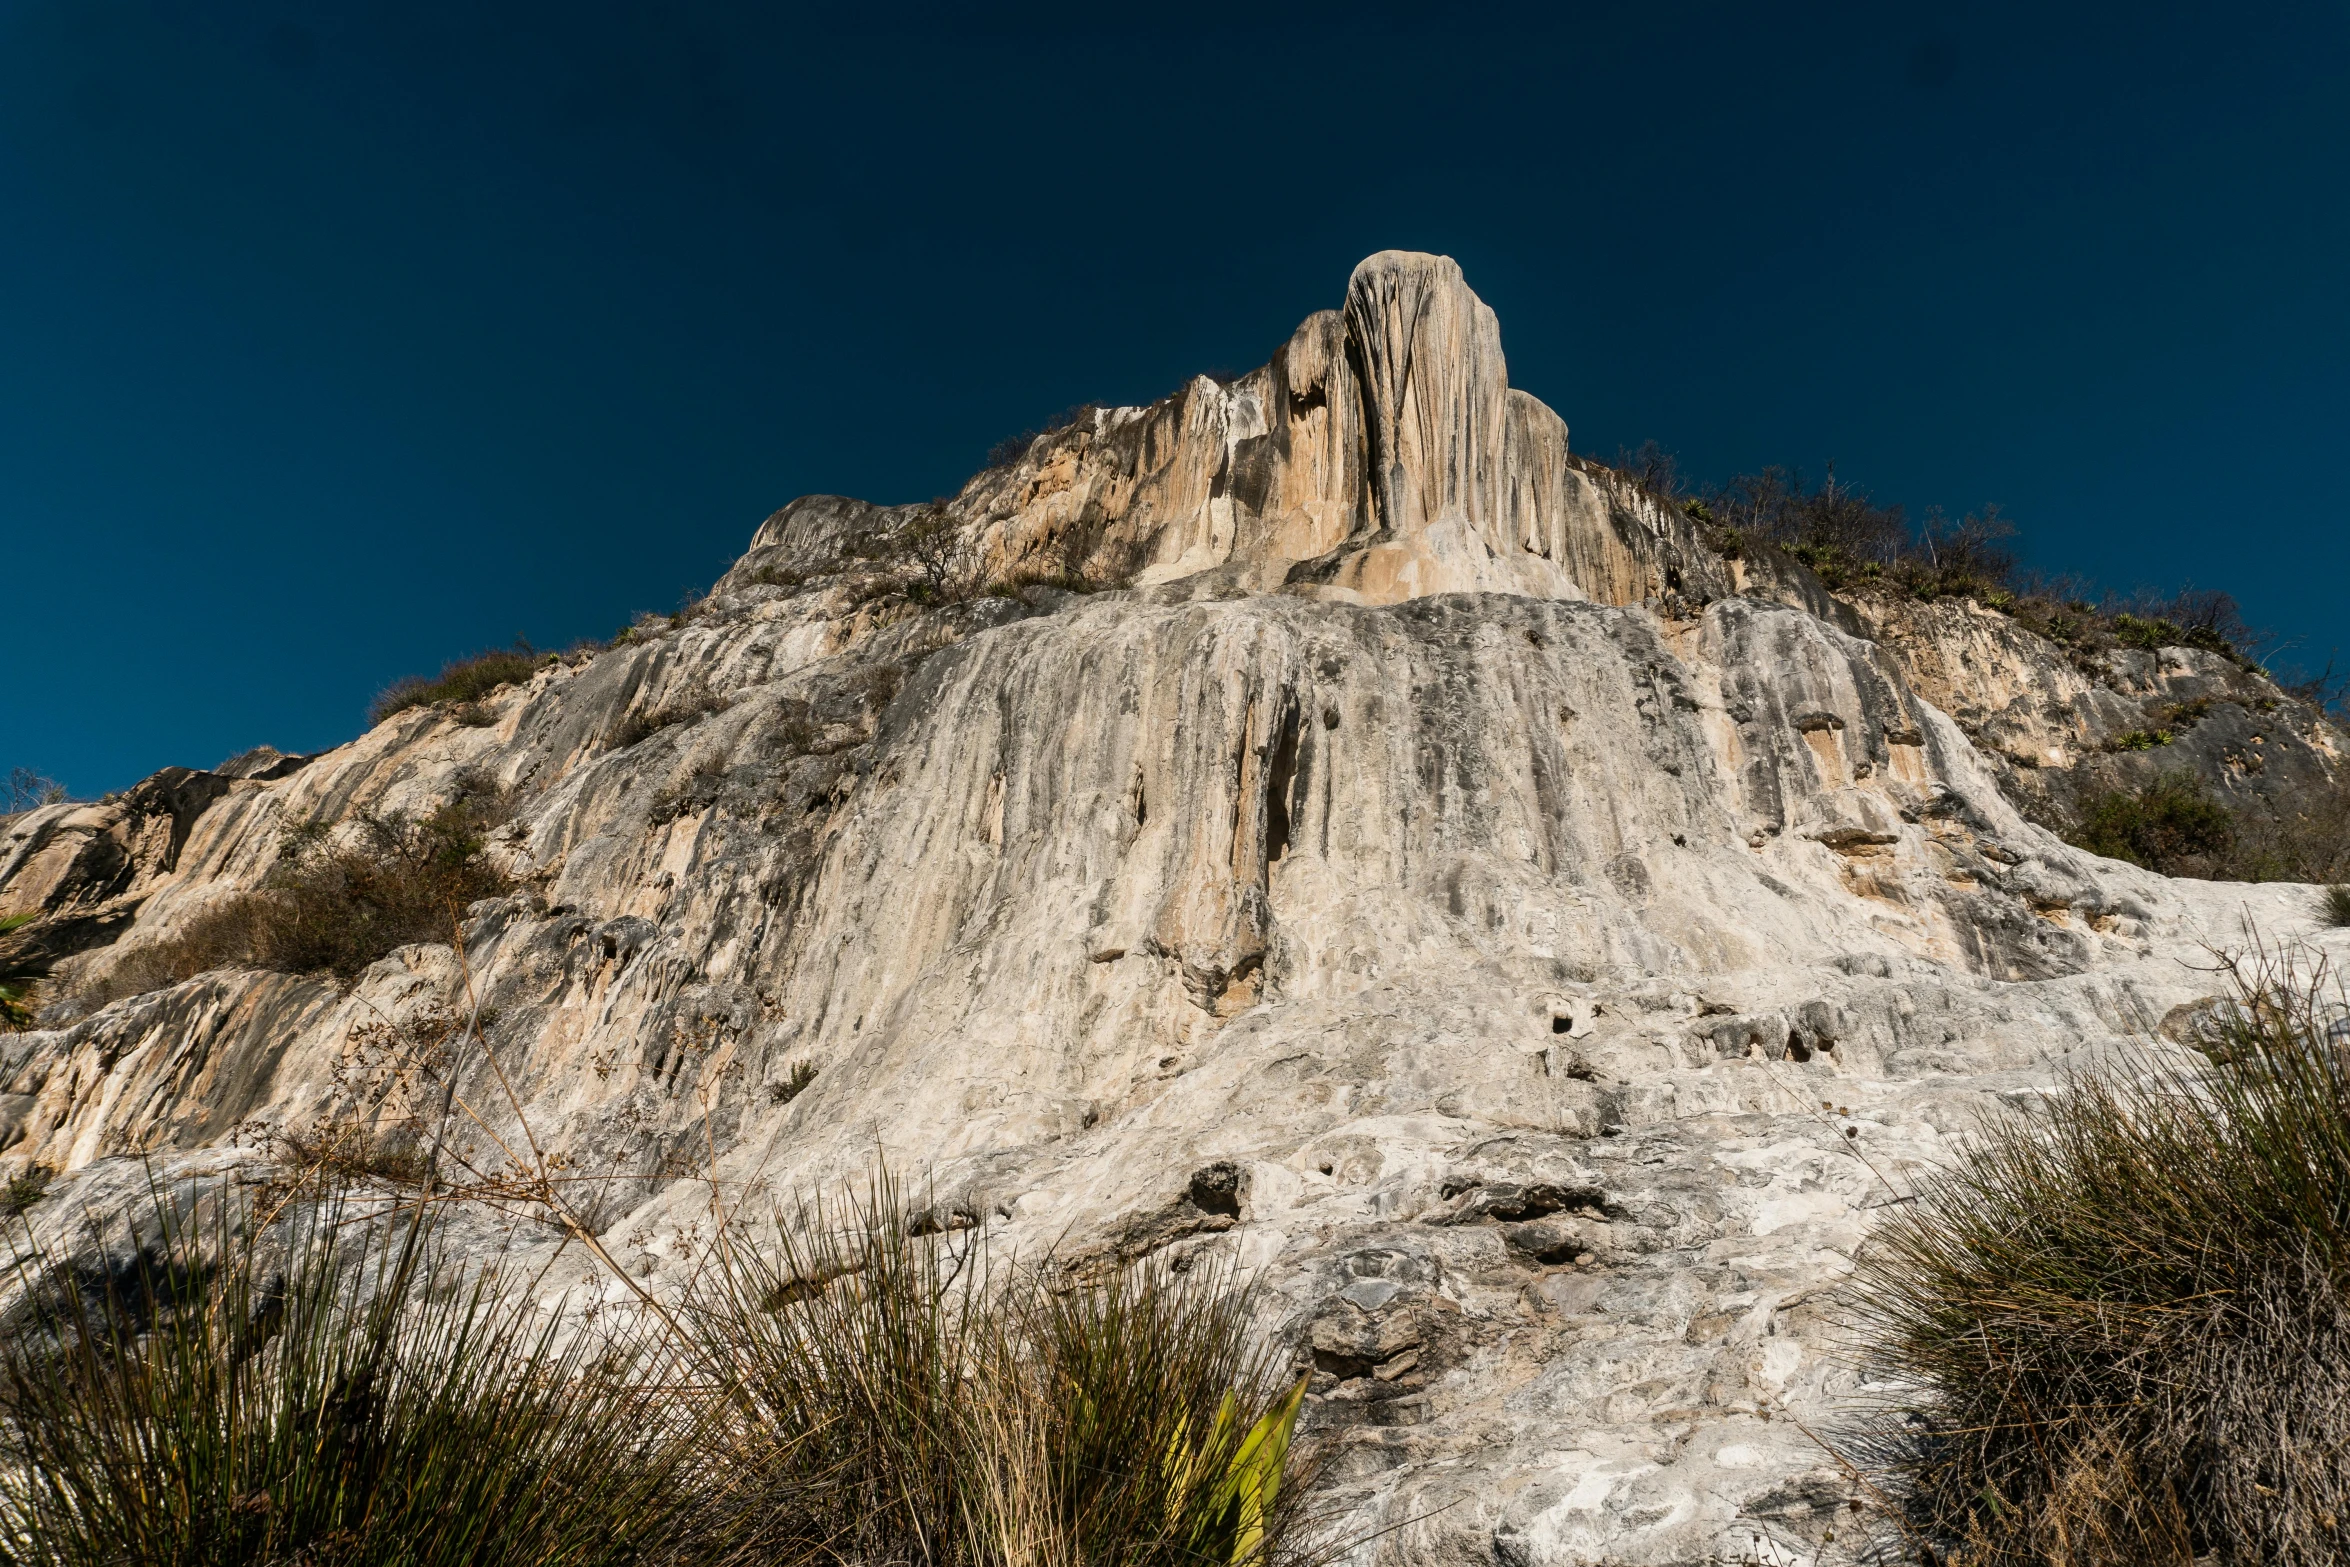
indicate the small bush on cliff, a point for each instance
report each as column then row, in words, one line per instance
column 2127, row 1313
column 346, row 1394
column 25, row 790
column 465, row 681
column 334, row 905
column 2333, row 907
column 689, row 705
column 2176, row 825
column 2173, row 825
column 23, row 964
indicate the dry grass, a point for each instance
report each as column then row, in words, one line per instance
column 855, row 1384
column 894, row 1403
column 334, row 904
column 463, row 682
column 2123, row 1315
column 334, row 1389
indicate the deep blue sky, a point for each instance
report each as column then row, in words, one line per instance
column 337, row 339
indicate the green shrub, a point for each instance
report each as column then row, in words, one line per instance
column 333, row 906
column 2139, row 740
column 792, row 1084
column 467, row 680
column 2173, row 825
column 24, row 1190
column 23, row 963
column 890, row 1403
column 2333, row 907
column 345, row 1394
column 2177, row 826
column 2126, row 1315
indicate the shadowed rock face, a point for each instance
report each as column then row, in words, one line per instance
column 1531, row 944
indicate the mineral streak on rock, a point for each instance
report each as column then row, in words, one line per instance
column 1531, row 943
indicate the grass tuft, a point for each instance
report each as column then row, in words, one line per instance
column 894, row 1403
column 332, row 1391
column 464, row 682
column 2333, row 907
column 2125, row 1316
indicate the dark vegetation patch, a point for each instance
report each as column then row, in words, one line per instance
column 24, row 1189
column 792, row 1084
column 24, row 963
column 2128, row 1311
column 775, row 574
column 464, row 681
column 336, row 901
column 2176, row 825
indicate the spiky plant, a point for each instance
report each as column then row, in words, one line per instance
column 2126, row 1315
column 2333, row 907
column 892, row 1399
column 337, row 1391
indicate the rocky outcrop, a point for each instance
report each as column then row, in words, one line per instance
column 1530, row 944
column 2061, row 725
column 1380, row 455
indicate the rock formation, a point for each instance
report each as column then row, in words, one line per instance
column 1529, row 942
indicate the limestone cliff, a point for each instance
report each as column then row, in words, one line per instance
column 1531, row 943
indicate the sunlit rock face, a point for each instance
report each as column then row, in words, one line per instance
column 1531, row 944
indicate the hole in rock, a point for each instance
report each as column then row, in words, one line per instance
column 1343, row 1366
column 1216, row 1189
column 1560, row 1022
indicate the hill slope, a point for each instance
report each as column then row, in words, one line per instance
column 1351, row 830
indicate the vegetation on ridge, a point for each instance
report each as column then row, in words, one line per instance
column 2174, row 824
column 1855, row 545
column 462, row 682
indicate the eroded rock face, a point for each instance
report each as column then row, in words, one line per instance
column 2059, row 726
column 1530, row 944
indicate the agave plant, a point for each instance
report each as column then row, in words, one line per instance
column 1233, row 1502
